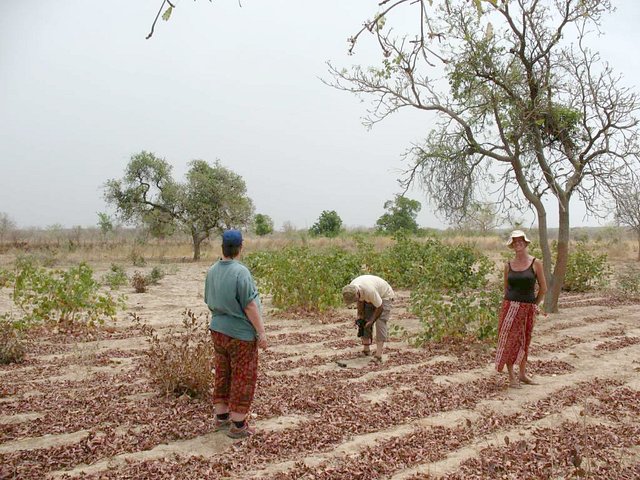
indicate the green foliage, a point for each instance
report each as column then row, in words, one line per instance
column 155, row 276
column 328, row 225
column 628, row 280
column 105, row 223
column 6, row 278
column 299, row 278
column 463, row 313
column 212, row 198
column 115, row 278
column 12, row 346
column 70, row 297
column 401, row 215
column 262, row 224
column 181, row 362
column 586, row 269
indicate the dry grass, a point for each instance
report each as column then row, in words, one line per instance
column 130, row 246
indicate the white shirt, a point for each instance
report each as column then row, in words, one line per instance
column 373, row 289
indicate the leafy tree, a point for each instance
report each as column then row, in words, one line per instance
column 262, row 224
column 528, row 110
column 328, row 224
column 105, row 223
column 211, row 199
column 628, row 208
column 401, row 215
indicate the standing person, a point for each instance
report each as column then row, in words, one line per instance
column 519, row 308
column 237, row 330
column 374, row 297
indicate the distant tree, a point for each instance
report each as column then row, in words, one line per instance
column 7, row 225
column 401, row 215
column 328, row 225
column 262, row 224
column 105, row 223
column 482, row 218
column 211, row 199
column 628, row 208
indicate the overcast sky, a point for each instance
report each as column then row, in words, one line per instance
column 81, row 90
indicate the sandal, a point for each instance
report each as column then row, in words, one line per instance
column 376, row 359
column 366, row 353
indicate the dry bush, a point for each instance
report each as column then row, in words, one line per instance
column 182, row 361
column 12, row 347
column 139, row 282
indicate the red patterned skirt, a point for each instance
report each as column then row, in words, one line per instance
column 236, row 372
column 514, row 332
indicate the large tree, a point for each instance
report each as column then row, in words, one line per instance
column 401, row 214
column 212, row 198
column 523, row 108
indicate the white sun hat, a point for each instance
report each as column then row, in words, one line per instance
column 517, row 234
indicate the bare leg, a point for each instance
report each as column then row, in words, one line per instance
column 379, row 348
column 221, row 408
column 523, row 374
column 513, row 380
column 366, row 346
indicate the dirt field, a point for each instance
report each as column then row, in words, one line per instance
column 84, row 408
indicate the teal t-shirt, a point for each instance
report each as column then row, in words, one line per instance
column 228, row 289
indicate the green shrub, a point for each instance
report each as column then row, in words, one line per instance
column 70, row 297
column 6, row 278
column 586, row 269
column 115, row 277
column 628, row 280
column 299, row 278
column 464, row 313
column 12, row 347
column 155, row 276
column 182, row 361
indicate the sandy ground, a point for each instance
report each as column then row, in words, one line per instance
column 85, row 408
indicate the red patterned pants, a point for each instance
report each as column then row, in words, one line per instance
column 236, row 372
column 515, row 327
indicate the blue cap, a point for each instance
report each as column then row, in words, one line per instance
column 232, row 238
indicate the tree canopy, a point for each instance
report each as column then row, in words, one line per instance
column 328, row 225
column 212, row 198
column 401, row 215
column 262, row 224
column 525, row 111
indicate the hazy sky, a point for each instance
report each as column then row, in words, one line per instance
column 81, row 90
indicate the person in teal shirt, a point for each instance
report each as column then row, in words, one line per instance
column 237, row 330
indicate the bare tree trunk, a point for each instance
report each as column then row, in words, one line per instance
column 638, row 246
column 562, row 259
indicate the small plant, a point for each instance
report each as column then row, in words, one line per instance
column 586, row 270
column 68, row 297
column 115, row 277
column 139, row 282
column 12, row 347
column 182, row 361
column 155, row 276
column 137, row 259
column 6, row 278
column 628, row 280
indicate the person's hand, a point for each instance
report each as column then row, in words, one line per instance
column 540, row 311
column 368, row 324
column 262, row 341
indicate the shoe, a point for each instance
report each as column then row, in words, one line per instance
column 221, row 425
column 376, row 359
column 366, row 353
column 242, row 432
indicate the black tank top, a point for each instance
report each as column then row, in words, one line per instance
column 521, row 285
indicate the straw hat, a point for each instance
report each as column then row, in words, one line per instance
column 517, row 234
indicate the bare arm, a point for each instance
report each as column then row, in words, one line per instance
column 253, row 314
column 506, row 277
column 542, row 281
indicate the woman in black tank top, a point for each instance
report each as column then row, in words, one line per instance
column 519, row 308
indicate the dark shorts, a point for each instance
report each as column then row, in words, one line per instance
column 236, row 372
